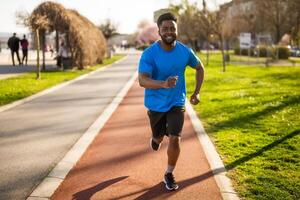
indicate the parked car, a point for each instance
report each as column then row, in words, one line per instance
column 295, row 52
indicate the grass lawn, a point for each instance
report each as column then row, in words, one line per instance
column 252, row 114
column 19, row 87
column 295, row 59
column 240, row 58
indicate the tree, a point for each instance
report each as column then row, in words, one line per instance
column 189, row 23
column 24, row 18
column 274, row 17
column 294, row 10
column 196, row 25
column 148, row 34
column 217, row 26
column 108, row 29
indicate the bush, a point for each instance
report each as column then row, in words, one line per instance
column 262, row 51
column 282, row 52
column 243, row 52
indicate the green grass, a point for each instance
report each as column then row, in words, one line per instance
column 247, row 59
column 252, row 114
column 19, row 87
column 294, row 59
column 238, row 58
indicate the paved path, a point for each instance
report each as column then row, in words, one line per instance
column 7, row 70
column 120, row 165
column 36, row 135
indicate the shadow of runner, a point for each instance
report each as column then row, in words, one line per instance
column 88, row 193
column 260, row 151
column 241, row 121
column 160, row 190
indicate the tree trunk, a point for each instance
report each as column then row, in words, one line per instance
column 43, row 49
column 223, row 55
column 207, row 54
column 38, row 72
column 277, row 39
column 207, row 48
column 56, row 41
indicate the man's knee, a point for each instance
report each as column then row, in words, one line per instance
column 174, row 141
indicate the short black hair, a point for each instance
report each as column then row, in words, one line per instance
column 166, row 16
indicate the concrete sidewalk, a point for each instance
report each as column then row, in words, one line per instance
column 119, row 163
column 7, row 70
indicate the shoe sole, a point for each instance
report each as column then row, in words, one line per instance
column 151, row 146
column 170, row 189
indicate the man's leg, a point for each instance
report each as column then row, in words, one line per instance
column 23, row 53
column 26, row 55
column 173, row 152
column 18, row 56
column 158, row 127
column 175, row 120
column 13, row 57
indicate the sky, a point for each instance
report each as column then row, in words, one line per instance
column 126, row 14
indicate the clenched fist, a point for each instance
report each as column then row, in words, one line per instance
column 194, row 99
column 171, row 82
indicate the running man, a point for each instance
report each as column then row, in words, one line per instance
column 161, row 73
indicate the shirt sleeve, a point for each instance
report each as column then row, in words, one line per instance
column 145, row 64
column 194, row 61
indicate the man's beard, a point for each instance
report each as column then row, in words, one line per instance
column 169, row 40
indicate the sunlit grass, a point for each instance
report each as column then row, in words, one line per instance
column 19, row 87
column 252, row 114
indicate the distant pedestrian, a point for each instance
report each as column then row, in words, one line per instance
column 51, row 50
column 14, row 43
column 24, row 45
column 62, row 54
column 161, row 73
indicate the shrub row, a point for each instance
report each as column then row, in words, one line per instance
column 280, row 52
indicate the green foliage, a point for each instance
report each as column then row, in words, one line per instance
column 243, row 52
column 263, row 51
column 19, row 87
column 252, row 115
column 283, row 52
column 108, row 29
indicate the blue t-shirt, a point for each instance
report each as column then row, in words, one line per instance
column 161, row 64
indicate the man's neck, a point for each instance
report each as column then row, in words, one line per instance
column 167, row 47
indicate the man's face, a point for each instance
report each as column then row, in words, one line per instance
column 168, row 31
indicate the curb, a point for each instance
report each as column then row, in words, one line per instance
column 48, row 186
column 214, row 160
column 51, row 89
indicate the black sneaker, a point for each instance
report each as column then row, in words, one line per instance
column 170, row 182
column 154, row 145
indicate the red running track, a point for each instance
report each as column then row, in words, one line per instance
column 119, row 163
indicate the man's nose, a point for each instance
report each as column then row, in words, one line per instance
column 169, row 31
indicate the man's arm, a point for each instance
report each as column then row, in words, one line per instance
column 146, row 82
column 199, row 80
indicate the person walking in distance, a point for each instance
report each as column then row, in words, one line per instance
column 14, row 43
column 161, row 72
column 24, row 45
column 62, row 55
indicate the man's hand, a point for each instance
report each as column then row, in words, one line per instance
column 194, row 99
column 171, row 82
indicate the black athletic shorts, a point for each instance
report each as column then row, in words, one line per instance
column 167, row 123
